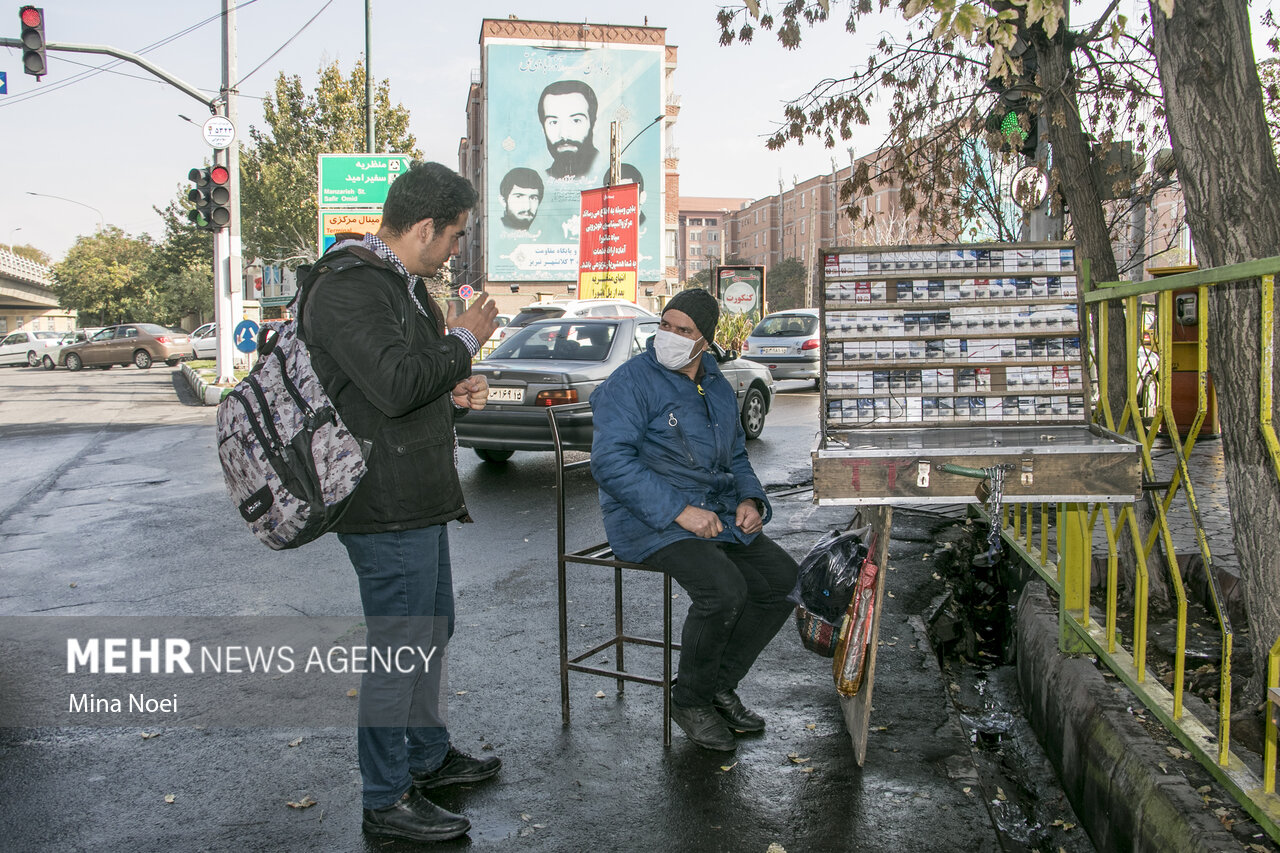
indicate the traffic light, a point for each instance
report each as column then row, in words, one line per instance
column 1014, row 116
column 211, row 197
column 33, row 57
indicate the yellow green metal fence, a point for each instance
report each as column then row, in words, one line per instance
column 1059, row 541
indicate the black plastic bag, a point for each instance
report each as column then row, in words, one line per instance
column 829, row 574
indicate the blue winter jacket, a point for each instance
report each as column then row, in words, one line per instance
column 660, row 445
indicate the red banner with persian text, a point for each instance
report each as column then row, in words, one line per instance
column 607, row 238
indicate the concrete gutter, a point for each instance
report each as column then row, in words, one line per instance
column 208, row 393
column 1109, row 766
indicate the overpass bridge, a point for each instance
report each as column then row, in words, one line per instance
column 27, row 297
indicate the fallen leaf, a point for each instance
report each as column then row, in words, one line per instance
column 599, row 694
column 890, row 594
column 528, row 830
column 169, row 798
column 73, row 584
column 539, row 825
column 295, row 742
column 150, row 735
column 304, row 803
column 967, row 789
column 1164, row 768
column 811, row 726
column 727, row 767
column 1204, row 789
column 882, row 728
column 775, row 847
column 808, row 769
column 526, row 817
column 796, row 759
column 459, row 693
column 353, row 692
column 1000, row 795
column 1178, row 753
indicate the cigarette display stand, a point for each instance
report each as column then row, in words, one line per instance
column 944, row 362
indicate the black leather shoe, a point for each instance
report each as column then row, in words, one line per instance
column 739, row 717
column 416, row 818
column 458, row 768
column 704, row 727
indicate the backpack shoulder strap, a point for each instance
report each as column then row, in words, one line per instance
column 340, row 258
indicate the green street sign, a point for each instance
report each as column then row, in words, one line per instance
column 358, row 180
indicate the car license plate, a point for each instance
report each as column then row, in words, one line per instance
column 773, row 350
column 506, row 395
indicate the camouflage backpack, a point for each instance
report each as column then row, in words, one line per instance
column 289, row 462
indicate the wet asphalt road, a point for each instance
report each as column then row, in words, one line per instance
column 115, row 507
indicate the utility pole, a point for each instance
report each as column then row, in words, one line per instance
column 368, row 77
column 228, row 276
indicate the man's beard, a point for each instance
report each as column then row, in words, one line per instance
column 516, row 223
column 572, row 164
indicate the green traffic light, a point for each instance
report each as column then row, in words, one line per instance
column 1010, row 126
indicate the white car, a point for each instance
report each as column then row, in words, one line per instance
column 204, row 341
column 27, row 347
column 572, row 308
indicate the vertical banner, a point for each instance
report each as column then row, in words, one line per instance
column 741, row 289
column 607, row 256
column 548, row 114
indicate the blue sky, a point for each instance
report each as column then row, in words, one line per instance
column 113, row 140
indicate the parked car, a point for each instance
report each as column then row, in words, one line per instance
column 50, row 357
column 140, row 344
column 572, row 308
column 204, row 341
column 788, row 343
column 26, row 347
column 553, row 362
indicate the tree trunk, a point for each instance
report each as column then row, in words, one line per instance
column 1073, row 162
column 1231, row 184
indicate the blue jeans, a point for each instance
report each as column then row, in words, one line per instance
column 406, row 589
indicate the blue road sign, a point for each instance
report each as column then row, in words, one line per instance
column 246, row 336
column 4, row 83
column 466, row 291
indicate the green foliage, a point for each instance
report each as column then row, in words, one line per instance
column 29, row 252
column 733, row 329
column 278, row 180
column 784, row 285
column 105, row 278
column 187, row 291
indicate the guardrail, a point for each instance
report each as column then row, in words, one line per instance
column 1058, row 542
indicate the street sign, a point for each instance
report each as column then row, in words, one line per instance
column 466, row 291
column 219, row 131
column 359, row 180
column 246, row 336
column 4, row 83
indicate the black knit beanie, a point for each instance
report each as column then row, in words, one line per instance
column 701, row 307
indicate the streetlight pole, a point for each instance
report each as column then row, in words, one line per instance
column 101, row 221
column 11, row 233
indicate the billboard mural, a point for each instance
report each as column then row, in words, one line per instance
column 548, row 118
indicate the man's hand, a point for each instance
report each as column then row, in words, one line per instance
column 478, row 319
column 700, row 522
column 471, row 393
column 748, row 517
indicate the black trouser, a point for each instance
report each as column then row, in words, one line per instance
column 739, row 603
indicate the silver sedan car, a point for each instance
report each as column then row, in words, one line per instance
column 554, row 362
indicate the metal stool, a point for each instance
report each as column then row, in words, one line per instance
column 602, row 555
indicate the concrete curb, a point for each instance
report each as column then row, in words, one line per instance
column 208, row 393
column 1108, row 765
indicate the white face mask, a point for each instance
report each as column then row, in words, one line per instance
column 672, row 350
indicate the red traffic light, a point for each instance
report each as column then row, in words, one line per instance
column 219, row 175
column 31, row 16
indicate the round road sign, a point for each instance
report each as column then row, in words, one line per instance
column 246, row 336
column 219, row 131
column 466, row 291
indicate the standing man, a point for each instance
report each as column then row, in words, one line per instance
column 678, row 493
column 567, row 112
column 521, row 191
column 380, row 347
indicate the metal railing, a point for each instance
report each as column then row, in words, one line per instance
column 1059, row 543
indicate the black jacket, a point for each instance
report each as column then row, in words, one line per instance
column 391, row 388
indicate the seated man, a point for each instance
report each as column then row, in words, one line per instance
column 678, row 493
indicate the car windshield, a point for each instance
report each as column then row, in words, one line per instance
column 153, row 329
column 48, row 336
column 569, row 341
column 786, row 326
